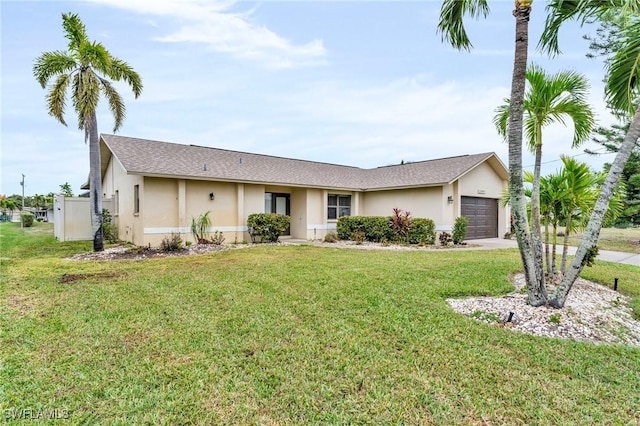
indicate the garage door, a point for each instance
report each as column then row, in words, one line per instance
column 483, row 217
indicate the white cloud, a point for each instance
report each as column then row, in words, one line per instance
column 213, row 24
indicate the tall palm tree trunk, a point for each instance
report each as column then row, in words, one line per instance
column 536, row 294
column 565, row 246
column 554, row 249
column 95, row 182
column 591, row 233
column 547, row 254
column 536, row 232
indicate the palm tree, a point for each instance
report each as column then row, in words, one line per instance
column 87, row 69
column 549, row 99
column 579, row 196
column 621, row 88
column 623, row 73
column 552, row 193
column 451, row 25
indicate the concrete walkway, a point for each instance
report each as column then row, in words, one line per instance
column 607, row 255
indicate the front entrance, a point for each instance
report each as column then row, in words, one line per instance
column 278, row 203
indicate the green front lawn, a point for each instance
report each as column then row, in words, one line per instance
column 616, row 239
column 280, row 335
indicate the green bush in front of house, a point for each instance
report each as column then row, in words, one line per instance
column 381, row 229
column 422, row 231
column 27, row 219
column 109, row 229
column 374, row 228
column 267, row 227
column 459, row 230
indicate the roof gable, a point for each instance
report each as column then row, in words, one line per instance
column 154, row 158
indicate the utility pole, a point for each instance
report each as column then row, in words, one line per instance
column 22, row 211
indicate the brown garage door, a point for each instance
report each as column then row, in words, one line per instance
column 483, row 217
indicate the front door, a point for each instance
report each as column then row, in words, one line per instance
column 278, row 203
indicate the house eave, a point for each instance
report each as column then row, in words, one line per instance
column 395, row 188
column 244, row 181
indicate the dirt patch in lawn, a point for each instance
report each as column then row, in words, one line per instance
column 141, row 253
column 22, row 304
column 69, row 278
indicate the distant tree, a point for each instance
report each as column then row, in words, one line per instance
column 38, row 201
column 17, row 198
column 610, row 139
column 7, row 206
column 65, row 189
column 604, row 44
column 87, row 69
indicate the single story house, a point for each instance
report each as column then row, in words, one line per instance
column 158, row 187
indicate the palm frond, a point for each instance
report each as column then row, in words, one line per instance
column 120, row 70
column 116, row 104
column 49, row 64
column 56, row 98
column 95, row 55
column 581, row 115
column 85, row 96
column 74, row 30
column 451, row 24
column 531, row 130
column 560, row 11
column 554, row 98
column 501, row 118
column 623, row 73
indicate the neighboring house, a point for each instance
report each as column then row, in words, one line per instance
column 158, row 187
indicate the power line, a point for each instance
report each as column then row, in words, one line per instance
column 573, row 156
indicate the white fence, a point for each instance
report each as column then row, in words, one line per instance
column 72, row 217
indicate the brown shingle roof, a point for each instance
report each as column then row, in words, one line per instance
column 147, row 157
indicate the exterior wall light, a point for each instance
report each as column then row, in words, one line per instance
column 450, row 199
column 212, row 196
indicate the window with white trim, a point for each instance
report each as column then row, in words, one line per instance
column 338, row 206
column 136, row 199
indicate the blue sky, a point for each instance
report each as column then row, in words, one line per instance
column 361, row 83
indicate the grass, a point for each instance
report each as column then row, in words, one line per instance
column 289, row 335
column 627, row 240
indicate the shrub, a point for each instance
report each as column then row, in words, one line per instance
column 199, row 228
column 349, row 225
column 460, row 230
column 27, row 219
column 422, row 231
column 445, row 238
column 267, row 227
column 358, row 237
column 218, row 238
column 400, row 225
column 109, row 230
column 331, row 237
column 380, row 229
column 375, row 228
column 172, row 243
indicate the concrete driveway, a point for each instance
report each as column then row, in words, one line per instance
column 607, row 255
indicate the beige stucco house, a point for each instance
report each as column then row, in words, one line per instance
column 158, row 187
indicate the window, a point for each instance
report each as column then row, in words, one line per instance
column 136, row 199
column 338, row 206
column 277, row 203
column 116, row 202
